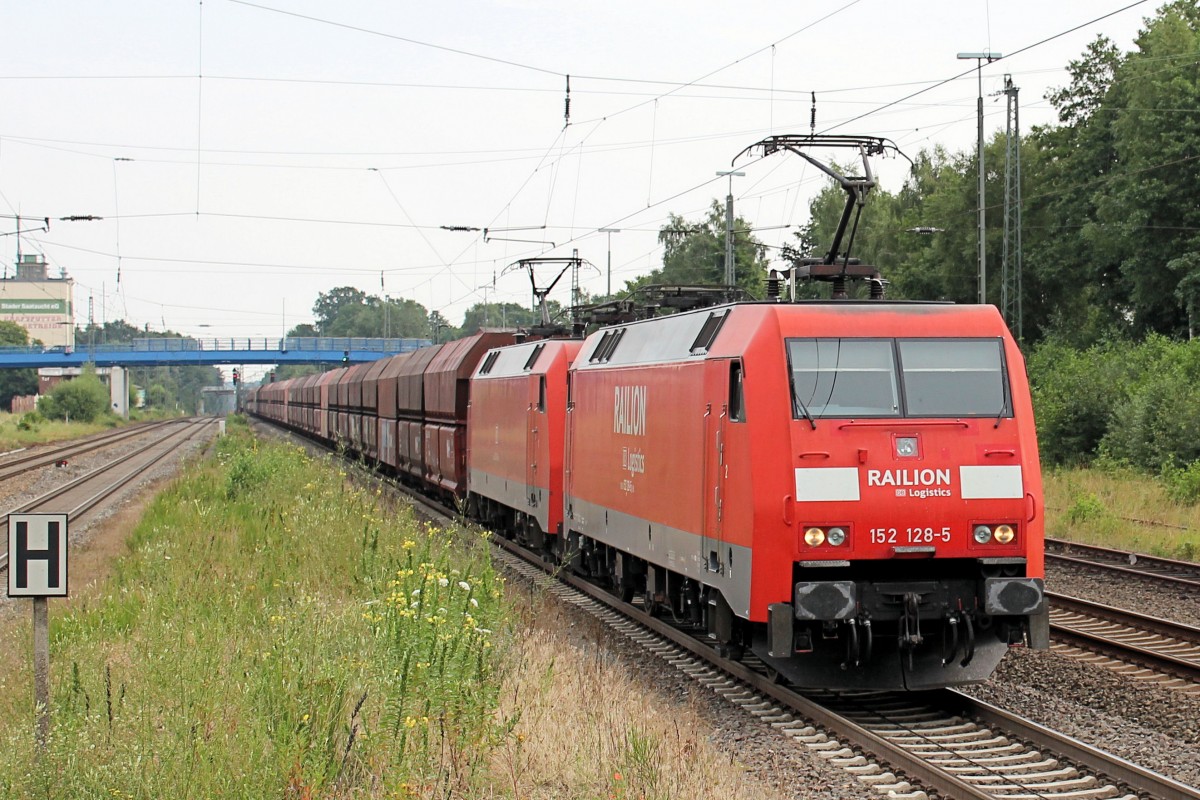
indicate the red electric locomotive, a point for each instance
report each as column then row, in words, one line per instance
column 849, row 489
column 515, row 428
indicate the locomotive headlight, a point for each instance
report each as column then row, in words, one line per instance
column 983, row 534
column 836, row 536
column 814, row 537
column 1004, row 534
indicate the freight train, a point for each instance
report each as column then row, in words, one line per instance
column 849, row 490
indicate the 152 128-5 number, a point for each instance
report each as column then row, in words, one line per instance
column 910, row 535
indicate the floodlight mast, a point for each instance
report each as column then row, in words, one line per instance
column 979, row 58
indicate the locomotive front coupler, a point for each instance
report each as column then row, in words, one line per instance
column 910, row 621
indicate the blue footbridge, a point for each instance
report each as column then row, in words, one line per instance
column 188, row 352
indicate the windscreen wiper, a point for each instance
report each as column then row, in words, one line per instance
column 798, row 403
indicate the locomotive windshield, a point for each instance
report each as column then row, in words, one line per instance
column 844, row 377
column 898, row 378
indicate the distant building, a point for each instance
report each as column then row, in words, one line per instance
column 115, row 378
column 40, row 304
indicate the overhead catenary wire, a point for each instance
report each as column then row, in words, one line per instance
column 562, row 152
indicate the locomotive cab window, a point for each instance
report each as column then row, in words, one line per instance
column 954, row 377
column 898, row 378
column 843, row 378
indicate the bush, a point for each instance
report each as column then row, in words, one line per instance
column 1182, row 483
column 1137, row 404
column 1085, row 507
column 82, row 399
column 30, row 421
column 1074, row 395
column 1159, row 423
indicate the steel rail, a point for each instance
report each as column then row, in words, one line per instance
column 1168, row 570
column 12, row 467
column 186, row 433
column 1174, row 648
column 1122, row 616
column 1117, row 769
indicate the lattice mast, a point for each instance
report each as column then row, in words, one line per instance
column 1010, row 288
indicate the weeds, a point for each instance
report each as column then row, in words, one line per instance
column 1182, row 483
column 263, row 639
column 1118, row 507
column 25, row 430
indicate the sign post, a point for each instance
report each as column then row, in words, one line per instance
column 37, row 568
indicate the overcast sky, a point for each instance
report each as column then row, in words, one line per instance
column 247, row 155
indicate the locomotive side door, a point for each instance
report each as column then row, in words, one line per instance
column 716, row 468
column 533, row 431
column 569, row 454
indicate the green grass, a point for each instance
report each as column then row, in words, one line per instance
column 16, row 432
column 1121, row 508
column 275, row 633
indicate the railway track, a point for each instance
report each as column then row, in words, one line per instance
column 84, row 496
column 948, row 743
column 1141, row 647
column 897, row 745
column 17, row 462
column 1166, row 570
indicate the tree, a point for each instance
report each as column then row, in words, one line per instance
column 157, row 396
column 938, row 196
column 1148, row 214
column 304, row 330
column 334, row 304
column 346, row 311
column 694, row 254
column 407, row 319
column 15, row 382
column 82, row 399
column 441, row 330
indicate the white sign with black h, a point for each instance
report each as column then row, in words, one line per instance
column 37, row 555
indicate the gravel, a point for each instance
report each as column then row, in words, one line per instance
column 1155, row 727
column 1125, row 591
